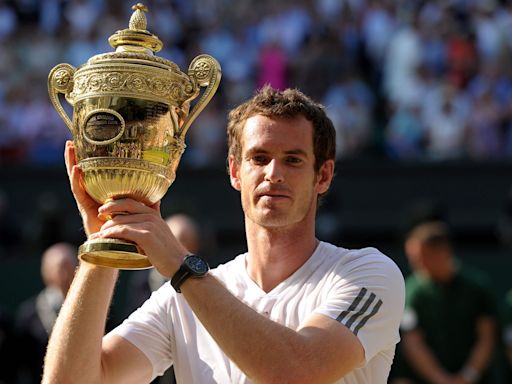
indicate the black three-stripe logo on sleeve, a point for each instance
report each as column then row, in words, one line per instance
column 362, row 309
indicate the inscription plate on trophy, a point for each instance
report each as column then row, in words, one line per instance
column 103, row 127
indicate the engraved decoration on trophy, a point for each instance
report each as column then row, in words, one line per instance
column 131, row 111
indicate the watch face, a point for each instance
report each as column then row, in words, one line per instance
column 197, row 265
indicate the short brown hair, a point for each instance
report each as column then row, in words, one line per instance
column 289, row 103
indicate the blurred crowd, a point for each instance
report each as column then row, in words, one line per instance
column 402, row 79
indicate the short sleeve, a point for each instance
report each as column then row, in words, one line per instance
column 148, row 328
column 368, row 298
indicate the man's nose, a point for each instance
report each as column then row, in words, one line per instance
column 274, row 172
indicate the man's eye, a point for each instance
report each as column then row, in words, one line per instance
column 259, row 159
column 293, row 160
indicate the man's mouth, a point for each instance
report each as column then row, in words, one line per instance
column 273, row 195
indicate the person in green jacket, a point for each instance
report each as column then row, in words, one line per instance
column 449, row 325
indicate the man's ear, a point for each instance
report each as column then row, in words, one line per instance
column 325, row 175
column 234, row 173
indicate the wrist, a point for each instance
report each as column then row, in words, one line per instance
column 171, row 265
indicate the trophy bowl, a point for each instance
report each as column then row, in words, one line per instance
column 131, row 112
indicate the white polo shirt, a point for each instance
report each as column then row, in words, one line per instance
column 362, row 289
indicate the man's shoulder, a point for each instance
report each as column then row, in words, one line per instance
column 365, row 262
column 357, row 257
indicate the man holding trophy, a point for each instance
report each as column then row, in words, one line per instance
column 292, row 309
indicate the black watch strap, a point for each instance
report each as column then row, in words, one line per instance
column 179, row 278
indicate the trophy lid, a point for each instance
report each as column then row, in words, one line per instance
column 136, row 37
column 135, row 42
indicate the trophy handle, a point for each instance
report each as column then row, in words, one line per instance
column 206, row 72
column 60, row 80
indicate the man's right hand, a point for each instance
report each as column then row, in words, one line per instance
column 86, row 205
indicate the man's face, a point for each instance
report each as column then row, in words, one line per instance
column 276, row 176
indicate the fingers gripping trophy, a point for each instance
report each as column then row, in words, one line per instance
column 131, row 111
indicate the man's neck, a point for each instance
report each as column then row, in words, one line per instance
column 275, row 254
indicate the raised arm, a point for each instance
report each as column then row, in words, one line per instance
column 76, row 352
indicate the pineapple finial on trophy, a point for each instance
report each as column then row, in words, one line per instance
column 138, row 20
column 136, row 38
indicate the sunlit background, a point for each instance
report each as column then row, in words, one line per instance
column 420, row 93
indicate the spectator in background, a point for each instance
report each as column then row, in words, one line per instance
column 273, row 66
column 484, row 133
column 491, row 96
column 402, row 60
column 8, row 20
column 448, row 328
column 82, row 15
column 36, row 316
column 444, row 114
column 488, row 35
column 461, row 53
column 405, row 134
column 186, row 230
column 350, row 105
column 378, row 25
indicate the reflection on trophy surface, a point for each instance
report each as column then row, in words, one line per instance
column 131, row 111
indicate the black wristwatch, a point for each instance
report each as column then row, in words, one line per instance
column 193, row 266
